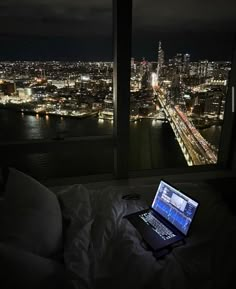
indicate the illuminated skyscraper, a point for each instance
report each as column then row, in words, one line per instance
column 186, row 68
column 143, row 66
column 175, row 89
column 132, row 64
column 202, row 68
column 178, row 62
column 160, row 61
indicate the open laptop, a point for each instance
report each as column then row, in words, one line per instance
column 168, row 220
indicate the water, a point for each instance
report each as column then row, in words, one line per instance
column 212, row 134
column 19, row 126
column 152, row 145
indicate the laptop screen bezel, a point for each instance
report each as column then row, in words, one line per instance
column 174, row 187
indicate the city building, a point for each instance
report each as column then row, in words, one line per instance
column 186, row 64
column 160, row 61
column 8, row 87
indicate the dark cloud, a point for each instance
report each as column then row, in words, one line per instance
column 47, row 21
column 56, row 17
column 194, row 14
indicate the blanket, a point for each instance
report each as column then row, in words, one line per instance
column 103, row 250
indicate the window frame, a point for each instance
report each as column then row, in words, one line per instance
column 119, row 140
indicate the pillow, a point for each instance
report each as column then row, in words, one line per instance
column 31, row 217
column 23, row 270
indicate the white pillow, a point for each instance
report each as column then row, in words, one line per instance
column 31, row 217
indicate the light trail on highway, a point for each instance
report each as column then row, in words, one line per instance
column 196, row 150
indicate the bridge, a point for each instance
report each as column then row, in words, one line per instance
column 196, row 150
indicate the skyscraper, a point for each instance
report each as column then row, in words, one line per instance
column 132, row 64
column 160, row 61
column 178, row 62
column 143, row 66
column 203, row 68
column 186, row 68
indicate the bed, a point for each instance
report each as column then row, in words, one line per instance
column 103, row 250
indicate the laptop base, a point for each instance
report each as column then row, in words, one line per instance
column 161, row 253
column 153, row 240
column 158, row 254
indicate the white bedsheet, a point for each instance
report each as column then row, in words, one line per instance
column 101, row 245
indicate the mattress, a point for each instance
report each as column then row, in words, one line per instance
column 103, row 250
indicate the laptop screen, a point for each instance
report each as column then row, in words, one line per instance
column 174, row 206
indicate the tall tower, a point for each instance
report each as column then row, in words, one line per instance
column 160, row 61
column 132, row 63
column 178, row 62
column 186, row 65
column 203, row 68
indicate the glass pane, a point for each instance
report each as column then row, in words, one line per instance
column 179, row 76
column 67, row 163
column 56, row 74
column 55, row 69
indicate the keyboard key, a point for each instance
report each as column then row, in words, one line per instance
column 157, row 226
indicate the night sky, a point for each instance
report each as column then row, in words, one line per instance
column 82, row 29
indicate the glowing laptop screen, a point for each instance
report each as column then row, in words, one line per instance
column 174, row 206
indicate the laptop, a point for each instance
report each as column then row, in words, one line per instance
column 168, row 220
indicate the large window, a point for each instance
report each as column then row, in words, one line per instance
column 68, row 109
column 56, row 74
column 179, row 82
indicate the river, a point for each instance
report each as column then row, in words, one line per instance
column 152, row 144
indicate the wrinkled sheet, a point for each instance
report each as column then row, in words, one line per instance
column 104, row 249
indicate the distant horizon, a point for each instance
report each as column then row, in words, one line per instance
column 100, row 61
column 137, row 56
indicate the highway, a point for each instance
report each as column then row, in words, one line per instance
column 196, row 150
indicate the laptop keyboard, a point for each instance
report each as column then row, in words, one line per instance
column 157, row 226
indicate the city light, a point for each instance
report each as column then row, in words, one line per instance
column 189, row 95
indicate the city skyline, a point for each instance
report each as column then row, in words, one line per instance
column 138, row 57
column 188, row 95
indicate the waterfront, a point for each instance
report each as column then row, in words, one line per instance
column 152, row 144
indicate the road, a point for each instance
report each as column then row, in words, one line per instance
column 196, row 149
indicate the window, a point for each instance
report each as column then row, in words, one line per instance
column 180, row 67
column 59, row 113
column 56, row 75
